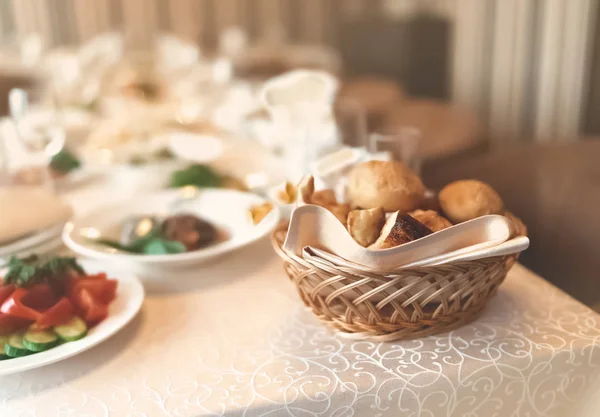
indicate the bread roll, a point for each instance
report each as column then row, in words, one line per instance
column 467, row 199
column 340, row 211
column 306, row 189
column 432, row 219
column 365, row 225
column 400, row 229
column 323, row 198
column 387, row 184
column 517, row 223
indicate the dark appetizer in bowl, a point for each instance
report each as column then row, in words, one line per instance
column 151, row 235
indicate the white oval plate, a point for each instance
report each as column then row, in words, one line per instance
column 226, row 209
column 31, row 241
column 199, row 148
column 79, row 177
column 46, row 248
column 130, row 295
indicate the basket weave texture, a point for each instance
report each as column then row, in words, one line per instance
column 404, row 304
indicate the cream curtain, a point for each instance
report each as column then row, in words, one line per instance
column 522, row 64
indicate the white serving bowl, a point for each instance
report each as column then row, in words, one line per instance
column 226, row 209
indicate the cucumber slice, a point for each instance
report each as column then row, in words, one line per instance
column 3, row 340
column 71, row 331
column 14, row 346
column 39, row 340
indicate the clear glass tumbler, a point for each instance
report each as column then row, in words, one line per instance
column 403, row 146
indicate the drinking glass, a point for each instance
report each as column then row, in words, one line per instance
column 38, row 135
column 351, row 122
column 402, row 145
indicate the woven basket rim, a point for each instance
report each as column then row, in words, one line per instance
column 278, row 237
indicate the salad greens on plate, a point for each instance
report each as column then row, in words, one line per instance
column 204, row 176
column 48, row 301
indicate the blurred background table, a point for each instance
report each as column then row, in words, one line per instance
column 233, row 338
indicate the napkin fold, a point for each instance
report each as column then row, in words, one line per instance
column 317, row 227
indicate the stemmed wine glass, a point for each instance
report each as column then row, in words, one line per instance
column 38, row 133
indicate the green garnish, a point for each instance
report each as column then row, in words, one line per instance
column 33, row 269
column 64, row 162
column 152, row 244
column 158, row 246
column 160, row 155
column 201, row 176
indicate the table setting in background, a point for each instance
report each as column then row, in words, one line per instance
column 182, row 234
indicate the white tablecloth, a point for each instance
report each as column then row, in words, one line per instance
column 233, row 339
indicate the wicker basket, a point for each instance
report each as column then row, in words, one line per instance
column 412, row 303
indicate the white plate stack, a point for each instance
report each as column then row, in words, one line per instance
column 31, row 222
column 43, row 242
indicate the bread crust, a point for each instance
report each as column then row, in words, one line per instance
column 387, row 184
column 432, row 219
column 467, row 199
column 399, row 229
column 365, row 225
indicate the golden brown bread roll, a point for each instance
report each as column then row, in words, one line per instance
column 518, row 224
column 365, row 225
column 467, row 199
column 400, row 229
column 387, row 184
column 323, row 197
column 432, row 219
column 306, row 189
column 340, row 211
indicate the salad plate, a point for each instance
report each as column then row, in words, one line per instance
column 50, row 246
column 84, row 174
column 32, row 240
column 121, row 310
column 199, row 148
column 227, row 212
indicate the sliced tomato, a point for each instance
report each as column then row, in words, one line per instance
column 13, row 306
column 6, row 291
column 96, row 314
column 10, row 324
column 90, row 308
column 95, row 311
column 103, row 291
column 98, row 276
column 58, row 314
column 40, row 297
